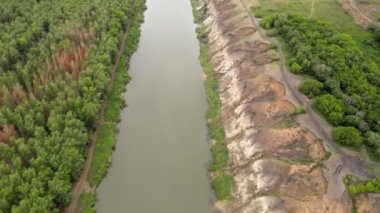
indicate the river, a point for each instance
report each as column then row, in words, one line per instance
column 162, row 149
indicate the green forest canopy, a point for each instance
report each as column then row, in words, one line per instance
column 56, row 59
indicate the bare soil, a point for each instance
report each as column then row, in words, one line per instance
column 368, row 203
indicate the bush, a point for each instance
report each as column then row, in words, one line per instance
column 330, row 107
column 311, row 88
column 296, row 68
column 267, row 22
column 348, row 136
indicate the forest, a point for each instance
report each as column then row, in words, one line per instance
column 56, row 59
column 344, row 83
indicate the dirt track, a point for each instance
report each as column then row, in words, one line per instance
column 81, row 185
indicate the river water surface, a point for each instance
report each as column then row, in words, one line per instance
column 162, row 151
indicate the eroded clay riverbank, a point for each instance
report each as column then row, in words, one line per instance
column 276, row 161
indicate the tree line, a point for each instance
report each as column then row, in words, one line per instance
column 56, row 59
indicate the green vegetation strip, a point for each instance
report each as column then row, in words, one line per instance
column 372, row 186
column 222, row 181
column 106, row 139
column 86, row 203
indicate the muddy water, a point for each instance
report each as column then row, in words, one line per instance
column 162, row 151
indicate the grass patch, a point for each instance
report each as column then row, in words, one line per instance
column 86, row 203
column 103, row 151
column 328, row 11
column 222, row 182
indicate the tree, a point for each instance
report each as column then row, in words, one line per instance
column 348, row 136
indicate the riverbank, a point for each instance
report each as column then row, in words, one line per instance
column 221, row 179
column 99, row 160
column 275, row 161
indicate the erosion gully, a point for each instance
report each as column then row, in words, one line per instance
column 162, row 152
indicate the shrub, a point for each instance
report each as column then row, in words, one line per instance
column 296, row 68
column 311, row 88
column 267, row 22
column 348, row 136
column 331, row 107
